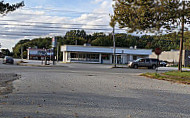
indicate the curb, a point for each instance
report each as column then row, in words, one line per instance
column 40, row 65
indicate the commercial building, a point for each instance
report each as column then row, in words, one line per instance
column 173, row 57
column 95, row 54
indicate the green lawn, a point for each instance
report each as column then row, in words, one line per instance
column 173, row 76
column 178, row 74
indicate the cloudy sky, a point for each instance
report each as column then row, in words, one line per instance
column 41, row 18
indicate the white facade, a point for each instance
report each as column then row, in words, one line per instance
column 95, row 54
column 172, row 57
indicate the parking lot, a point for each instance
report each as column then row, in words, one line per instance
column 92, row 91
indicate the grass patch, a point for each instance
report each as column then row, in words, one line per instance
column 187, row 67
column 173, row 76
column 184, row 74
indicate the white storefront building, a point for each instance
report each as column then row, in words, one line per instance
column 95, row 54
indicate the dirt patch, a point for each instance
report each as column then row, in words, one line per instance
column 6, row 80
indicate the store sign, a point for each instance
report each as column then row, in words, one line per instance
column 54, row 42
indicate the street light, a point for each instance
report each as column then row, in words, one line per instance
column 114, row 48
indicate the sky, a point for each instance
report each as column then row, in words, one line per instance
column 48, row 18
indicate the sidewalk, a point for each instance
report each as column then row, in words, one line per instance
column 25, row 62
column 60, row 63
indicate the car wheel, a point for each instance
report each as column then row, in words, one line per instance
column 136, row 66
column 153, row 66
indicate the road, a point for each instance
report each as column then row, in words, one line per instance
column 91, row 91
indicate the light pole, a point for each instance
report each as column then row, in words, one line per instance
column 57, row 51
column 54, row 43
column 21, row 53
column 114, row 48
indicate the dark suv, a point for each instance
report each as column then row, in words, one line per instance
column 8, row 59
column 144, row 62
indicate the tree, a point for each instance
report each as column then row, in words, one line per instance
column 6, row 7
column 102, row 41
column 5, row 52
column 153, row 16
column 26, row 43
column 77, row 37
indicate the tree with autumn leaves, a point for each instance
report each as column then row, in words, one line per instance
column 6, row 7
column 153, row 16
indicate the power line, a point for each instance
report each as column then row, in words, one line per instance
column 57, row 27
column 7, row 34
column 39, row 30
column 51, row 23
column 62, row 10
column 63, row 15
column 24, row 32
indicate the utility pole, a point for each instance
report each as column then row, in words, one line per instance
column 54, row 42
column 181, row 40
column 76, row 42
column 21, row 53
column 114, row 48
column 57, row 51
column 53, row 55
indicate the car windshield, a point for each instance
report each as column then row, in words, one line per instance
column 137, row 60
column 8, row 57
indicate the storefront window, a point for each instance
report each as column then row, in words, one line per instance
column 84, row 57
column 105, row 56
column 73, row 55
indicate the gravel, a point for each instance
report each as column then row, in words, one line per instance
column 6, row 80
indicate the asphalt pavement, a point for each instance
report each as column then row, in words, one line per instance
column 91, row 91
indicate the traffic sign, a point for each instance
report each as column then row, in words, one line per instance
column 158, row 51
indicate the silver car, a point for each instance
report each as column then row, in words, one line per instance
column 144, row 62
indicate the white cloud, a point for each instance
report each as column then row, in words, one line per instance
column 43, row 22
column 97, row 1
column 8, row 43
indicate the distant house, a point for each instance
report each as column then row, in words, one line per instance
column 173, row 57
column 39, row 54
column 96, row 54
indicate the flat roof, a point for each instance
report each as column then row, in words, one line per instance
column 98, row 49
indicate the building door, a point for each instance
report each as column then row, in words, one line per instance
column 119, row 60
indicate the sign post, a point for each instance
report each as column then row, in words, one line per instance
column 54, row 44
column 158, row 51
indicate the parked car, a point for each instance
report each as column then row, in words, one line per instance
column 8, row 59
column 163, row 63
column 144, row 62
